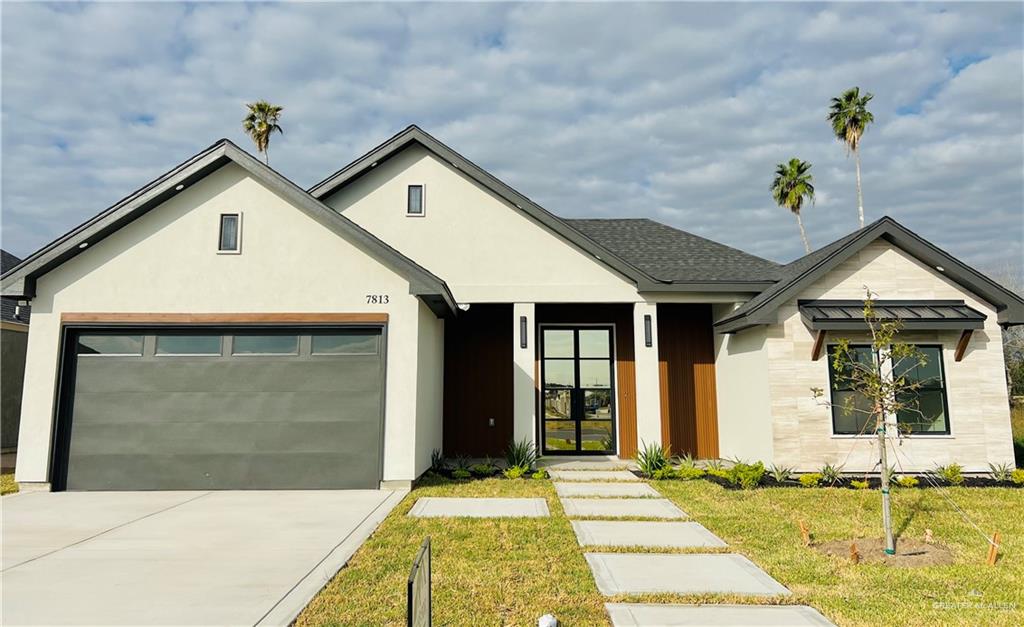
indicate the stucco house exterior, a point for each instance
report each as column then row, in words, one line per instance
column 223, row 328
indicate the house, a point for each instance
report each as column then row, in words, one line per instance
column 223, row 328
column 13, row 342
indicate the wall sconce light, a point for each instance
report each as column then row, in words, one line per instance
column 522, row 331
column 648, row 333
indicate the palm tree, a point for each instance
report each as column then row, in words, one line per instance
column 260, row 123
column 793, row 183
column 850, row 117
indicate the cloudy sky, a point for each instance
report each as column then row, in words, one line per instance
column 676, row 112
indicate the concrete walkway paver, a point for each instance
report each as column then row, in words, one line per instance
column 648, row 614
column 640, row 573
column 605, row 489
column 592, row 475
column 624, row 533
column 481, row 507
column 622, row 508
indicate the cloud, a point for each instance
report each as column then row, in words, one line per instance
column 677, row 112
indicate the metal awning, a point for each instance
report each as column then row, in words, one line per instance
column 920, row 315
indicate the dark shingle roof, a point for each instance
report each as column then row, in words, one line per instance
column 9, row 305
column 675, row 256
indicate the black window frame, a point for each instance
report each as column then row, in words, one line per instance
column 838, row 407
column 943, row 388
column 423, row 201
column 238, row 233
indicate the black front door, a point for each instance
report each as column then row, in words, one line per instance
column 577, row 371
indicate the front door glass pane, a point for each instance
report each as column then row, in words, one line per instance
column 595, row 373
column 596, row 435
column 557, row 404
column 559, row 343
column 559, row 373
column 597, row 404
column 560, row 435
column 594, row 343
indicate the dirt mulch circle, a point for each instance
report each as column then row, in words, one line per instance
column 909, row 553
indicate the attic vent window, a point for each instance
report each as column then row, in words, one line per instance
column 415, row 205
column 230, row 233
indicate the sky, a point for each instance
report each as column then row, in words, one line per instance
column 675, row 112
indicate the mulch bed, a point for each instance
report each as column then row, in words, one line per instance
column 909, row 553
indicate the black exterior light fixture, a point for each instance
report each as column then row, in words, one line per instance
column 648, row 334
column 522, row 331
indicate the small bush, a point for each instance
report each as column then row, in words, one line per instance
column 483, row 470
column 952, row 474
column 461, row 473
column 521, row 454
column 688, row 460
column 1001, row 472
column 652, row 458
column 810, row 480
column 780, row 473
column 437, row 463
column 831, row 475
column 907, row 481
column 687, row 473
column 1017, row 476
column 461, row 463
column 856, row 484
column 668, row 472
column 746, row 476
column 540, row 474
column 514, row 472
column 714, row 465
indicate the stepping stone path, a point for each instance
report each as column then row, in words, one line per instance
column 453, row 507
column 588, row 492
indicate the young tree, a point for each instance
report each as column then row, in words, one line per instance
column 793, row 183
column 850, row 117
column 260, row 123
column 881, row 387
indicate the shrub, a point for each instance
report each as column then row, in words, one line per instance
column 746, row 476
column 485, row 469
column 907, row 481
column 810, row 480
column 461, row 463
column 859, row 485
column 1017, row 476
column 437, row 463
column 521, row 454
column 668, row 472
column 688, row 460
column 652, row 458
column 831, row 475
column 461, row 473
column 514, row 472
column 714, row 465
column 540, row 474
column 1001, row 472
column 780, row 473
column 686, row 473
column 953, row 474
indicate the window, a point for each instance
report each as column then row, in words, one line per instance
column 346, row 343
column 926, row 412
column 277, row 344
column 415, row 206
column 95, row 344
column 188, row 345
column 851, row 410
column 230, row 227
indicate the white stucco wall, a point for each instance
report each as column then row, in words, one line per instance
column 978, row 409
column 429, row 388
column 485, row 249
column 166, row 262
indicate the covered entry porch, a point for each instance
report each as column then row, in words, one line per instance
column 597, row 379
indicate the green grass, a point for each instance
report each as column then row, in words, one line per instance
column 485, row 572
column 7, row 484
column 762, row 524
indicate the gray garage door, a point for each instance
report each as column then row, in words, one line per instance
column 196, row 408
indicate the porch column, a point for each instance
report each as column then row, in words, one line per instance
column 648, row 386
column 524, row 406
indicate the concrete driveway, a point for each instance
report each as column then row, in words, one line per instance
column 177, row 558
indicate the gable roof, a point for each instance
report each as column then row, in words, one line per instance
column 673, row 256
column 9, row 310
column 801, row 273
column 20, row 280
column 566, row 229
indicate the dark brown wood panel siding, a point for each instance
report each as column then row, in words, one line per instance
column 686, row 369
column 478, row 381
column 621, row 315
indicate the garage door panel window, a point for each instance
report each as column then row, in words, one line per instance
column 188, row 344
column 277, row 344
column 111, row 345
column 346, row 343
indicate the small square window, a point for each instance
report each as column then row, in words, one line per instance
column 415, row 206
column 230, row 233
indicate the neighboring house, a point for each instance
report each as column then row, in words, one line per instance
column 13, row 342
column 223, row 328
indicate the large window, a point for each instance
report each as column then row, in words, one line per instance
column 926, row 412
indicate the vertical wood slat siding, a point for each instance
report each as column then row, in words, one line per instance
column 478, row 380
column 621, row 315
column 686, row 371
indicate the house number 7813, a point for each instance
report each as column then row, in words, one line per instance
column 376, row 299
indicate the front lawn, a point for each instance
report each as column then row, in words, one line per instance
column 763, row 525
column 7, row 483
column 485, row 571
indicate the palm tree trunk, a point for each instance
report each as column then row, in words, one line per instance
column 860, row 195
column 803, row 234
column 266, row 160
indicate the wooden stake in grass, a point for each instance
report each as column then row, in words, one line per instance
column 854, row 553
column 993, row 549
column 805, row 533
